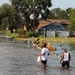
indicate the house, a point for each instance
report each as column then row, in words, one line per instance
column 55, row 28
column 49, row 21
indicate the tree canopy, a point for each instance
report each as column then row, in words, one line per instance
column 9, row 17
column 72, row 20
column 34, row 8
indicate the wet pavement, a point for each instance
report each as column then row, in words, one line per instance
column 18, row 58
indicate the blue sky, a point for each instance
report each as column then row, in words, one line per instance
column 63, row 4
column 4, row 1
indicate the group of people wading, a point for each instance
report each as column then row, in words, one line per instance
column 64, row 59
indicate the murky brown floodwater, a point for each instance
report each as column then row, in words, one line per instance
column 18, row 58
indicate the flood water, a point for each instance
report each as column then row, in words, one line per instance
column 18, row 58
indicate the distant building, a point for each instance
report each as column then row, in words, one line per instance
column 55, row 29
column 49, row 21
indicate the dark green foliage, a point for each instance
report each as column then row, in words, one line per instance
column 58, row 13
column 30, row 34
column 20, row 31
column 9, row 17
column 24, row 33
column 72, row 20
column 36, row 34
column 28, row 7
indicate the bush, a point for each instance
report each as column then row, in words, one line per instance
column 36, row 34
column 24, row 33
column 30, row 34
column 21, row 31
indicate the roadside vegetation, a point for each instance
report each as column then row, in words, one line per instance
column 42, row 38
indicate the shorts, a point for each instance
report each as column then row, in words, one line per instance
column 65, row 63
column 44, row 62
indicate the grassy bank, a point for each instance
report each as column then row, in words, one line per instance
column 71, row 40
column 46, row 39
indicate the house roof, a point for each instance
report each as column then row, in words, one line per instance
column 43, row 23
column 54, row 26
column 61, row 21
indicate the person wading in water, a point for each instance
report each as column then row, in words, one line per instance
column 65, row 59
column 44, row 55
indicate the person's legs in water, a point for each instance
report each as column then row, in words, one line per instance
column 68, row 64
column 43, row 63
column 63, row 64
column 46, row 63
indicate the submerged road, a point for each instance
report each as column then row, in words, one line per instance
column 18, row 58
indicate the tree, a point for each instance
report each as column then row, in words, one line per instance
column 3, row 13
column 9, row 17
column 63, row 15
column 59, row 13
column 0, row 17
column 51, row 16
column 68, row 11
column 72, row 20
column 56, row 12
column 32, row 8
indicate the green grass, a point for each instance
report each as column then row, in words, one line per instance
column 13, row 35
column 68, row 40
column 44, row 39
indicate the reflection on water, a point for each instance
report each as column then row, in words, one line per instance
column 18, row 58
column 72, row 46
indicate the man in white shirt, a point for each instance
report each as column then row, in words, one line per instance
column 65, row 59
column 44, row 55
